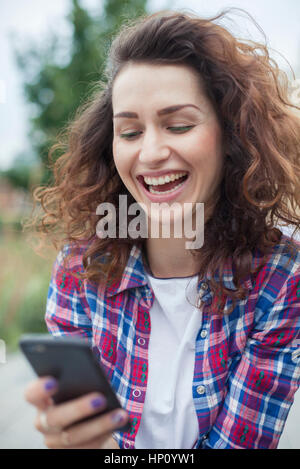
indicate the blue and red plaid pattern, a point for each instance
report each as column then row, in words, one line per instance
column 247, row 364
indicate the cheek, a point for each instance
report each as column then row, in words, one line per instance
column 210, row 153
column 124, row 165
column 119, row 159
column 115, row 151
column 212, row 140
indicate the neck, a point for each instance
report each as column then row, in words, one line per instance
column 169, row 258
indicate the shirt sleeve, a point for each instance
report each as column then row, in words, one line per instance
column 261, row 387
column 67, row 310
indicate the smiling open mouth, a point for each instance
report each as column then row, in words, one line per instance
column 163, row 185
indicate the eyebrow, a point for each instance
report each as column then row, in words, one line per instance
column 161, row 112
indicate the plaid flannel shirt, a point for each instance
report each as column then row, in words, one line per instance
column 247, row 364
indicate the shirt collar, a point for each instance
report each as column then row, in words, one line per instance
column 134, row 275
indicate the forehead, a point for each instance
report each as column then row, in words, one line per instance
column 148, row 82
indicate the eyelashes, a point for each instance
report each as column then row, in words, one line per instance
column 178, row 129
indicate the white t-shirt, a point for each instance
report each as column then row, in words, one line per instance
column 169, row 417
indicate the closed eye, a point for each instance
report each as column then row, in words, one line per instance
column 181, row 129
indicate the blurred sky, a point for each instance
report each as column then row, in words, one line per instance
column 32, row 20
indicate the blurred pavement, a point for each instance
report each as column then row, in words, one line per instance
column 17, row 416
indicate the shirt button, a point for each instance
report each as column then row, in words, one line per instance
column 141, row 341
column 203, row 334
column 204, row 286
column 136, row 393
column 127, row 444
column 200, row 389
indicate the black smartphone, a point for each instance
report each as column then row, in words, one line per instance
column 72, row 362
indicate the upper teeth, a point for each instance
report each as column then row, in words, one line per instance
column 162, row 179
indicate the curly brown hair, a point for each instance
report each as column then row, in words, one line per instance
column 260, row 186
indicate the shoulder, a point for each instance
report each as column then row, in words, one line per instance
column 70, row 258
column 69, row 263
column 284, row 258
column 68, row 266
column 278, row 281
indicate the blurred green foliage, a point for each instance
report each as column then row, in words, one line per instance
column 53, row 89
column 24, row 282
column 18, row 175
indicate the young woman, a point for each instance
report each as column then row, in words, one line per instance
column 199, row 344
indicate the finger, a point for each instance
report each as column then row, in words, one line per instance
column 44, row 427
column 98, row 443
column 65, row 414
column 95, row 429
column 39, row 392
column 106, row 442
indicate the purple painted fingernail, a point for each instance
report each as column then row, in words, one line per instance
column 50, row 384
column 118, row 417
column 97, row 402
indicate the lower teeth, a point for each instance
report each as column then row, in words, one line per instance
column 166, row 192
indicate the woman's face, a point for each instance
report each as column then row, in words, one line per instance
column 166, row 129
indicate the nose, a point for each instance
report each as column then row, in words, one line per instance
column 154, row 150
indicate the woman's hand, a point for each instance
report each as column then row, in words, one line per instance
column 58, row 424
